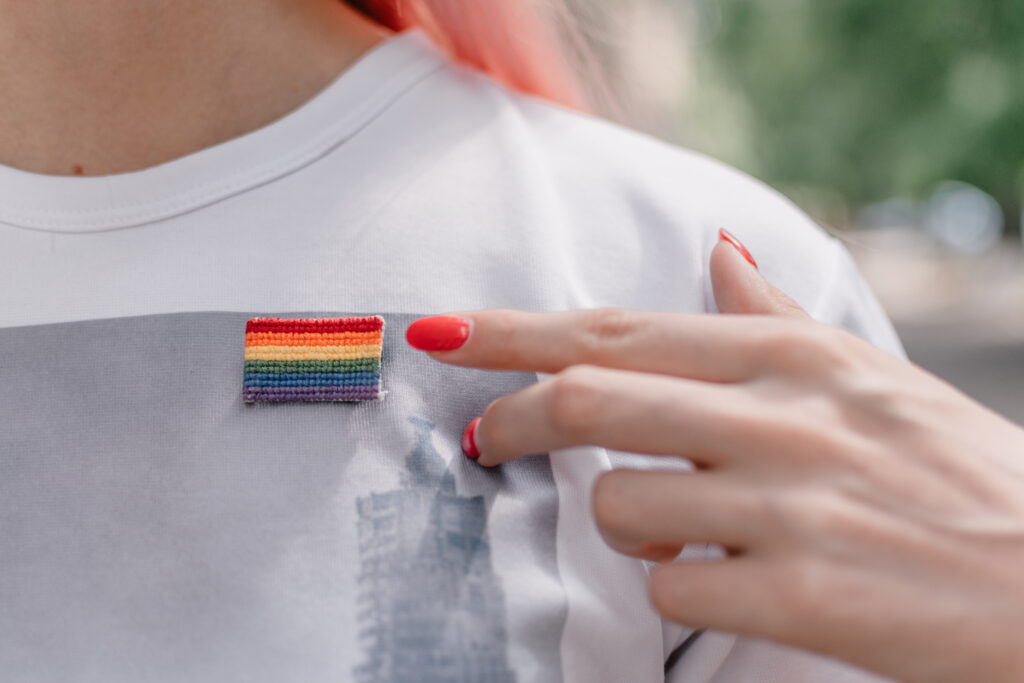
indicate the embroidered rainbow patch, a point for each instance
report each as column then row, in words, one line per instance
column 302, row 359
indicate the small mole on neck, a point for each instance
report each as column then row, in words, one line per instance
column 77, row 170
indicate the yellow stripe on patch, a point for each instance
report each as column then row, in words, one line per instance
column 346, row 352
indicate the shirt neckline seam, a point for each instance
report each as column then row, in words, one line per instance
column 207, row 193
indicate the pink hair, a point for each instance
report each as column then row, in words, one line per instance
column 507, row 39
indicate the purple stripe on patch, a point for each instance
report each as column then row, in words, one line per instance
column 323, row 393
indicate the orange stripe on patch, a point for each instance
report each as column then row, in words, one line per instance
column 312, row 339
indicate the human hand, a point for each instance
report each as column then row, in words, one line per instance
column 869, row 511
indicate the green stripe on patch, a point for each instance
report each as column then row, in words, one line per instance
column 355, row 365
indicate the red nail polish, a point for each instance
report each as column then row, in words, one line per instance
column 726, row 236
column 469, row 440
column 438, row 333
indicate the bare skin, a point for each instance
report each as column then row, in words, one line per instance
column 870, row 511
column 111, row 86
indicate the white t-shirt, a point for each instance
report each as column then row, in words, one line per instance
column 154, row 527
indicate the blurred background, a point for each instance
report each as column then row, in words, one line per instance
column 897, row 124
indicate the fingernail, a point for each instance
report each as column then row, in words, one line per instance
column 438, row 333
column 469, row 440
column 726, row 236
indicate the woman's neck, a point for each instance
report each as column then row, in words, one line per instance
column 110, row 86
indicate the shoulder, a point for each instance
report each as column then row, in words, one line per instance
column 590, row 161
column 635, row 218
column 619, row 184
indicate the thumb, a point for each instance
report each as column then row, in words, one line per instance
column 739, row 287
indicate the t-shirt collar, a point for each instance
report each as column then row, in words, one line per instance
column 336, row 114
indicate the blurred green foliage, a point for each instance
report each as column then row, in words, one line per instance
column 867, row 99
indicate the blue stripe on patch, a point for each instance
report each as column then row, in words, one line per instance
column 305, row 379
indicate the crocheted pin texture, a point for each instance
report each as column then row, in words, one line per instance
column 304, row 359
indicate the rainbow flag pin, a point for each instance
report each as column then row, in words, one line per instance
column 289, row 360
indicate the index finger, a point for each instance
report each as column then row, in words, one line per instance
column 720, row 348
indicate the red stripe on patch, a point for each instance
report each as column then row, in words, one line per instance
column 316, row 325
